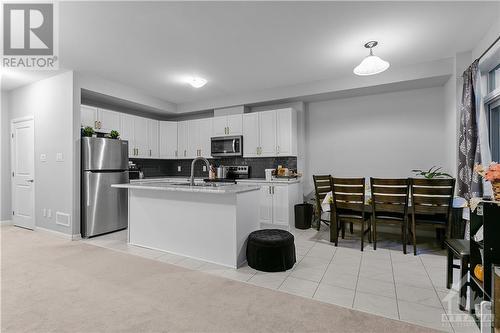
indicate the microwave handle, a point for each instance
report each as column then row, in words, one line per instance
column 234, row 145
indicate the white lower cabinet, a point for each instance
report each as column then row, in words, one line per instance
column 276, row 204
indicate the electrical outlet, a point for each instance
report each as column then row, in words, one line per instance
column 49, row 213
column 43, row 157
column 59, row 157
column 178, row 168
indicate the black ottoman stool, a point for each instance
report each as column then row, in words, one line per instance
column 271, row 250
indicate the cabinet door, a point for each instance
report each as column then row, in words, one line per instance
column 251, row 135
column 153, row 138
column 127, row 132
column 267, row 133
column 193, row 138
column 168, row 139
column 141, row 137
column 235, row 124
column 286, row 132
column 182, row 139
column 108, row 120
column 205, row 130
column 88, row 116
column 281, row 205
column 219, row 126
column 266, row 205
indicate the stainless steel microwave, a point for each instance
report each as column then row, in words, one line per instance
column 227, row 146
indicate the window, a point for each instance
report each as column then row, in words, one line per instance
column 493, row 105
column 494, row 79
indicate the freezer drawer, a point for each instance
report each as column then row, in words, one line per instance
column 104, row 208
column 104, row 154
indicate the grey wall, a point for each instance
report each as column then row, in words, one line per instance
column 50, row 102
column 384, row 135
column 5, row 197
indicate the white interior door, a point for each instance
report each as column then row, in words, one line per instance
column 23, row 171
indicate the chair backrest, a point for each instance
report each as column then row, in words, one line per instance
column 349, row 196
column 389, row 197
column 432, row 197
column 321, row 188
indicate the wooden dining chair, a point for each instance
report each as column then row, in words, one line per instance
column 322, row 187
column 389, row 203
column 431, row 204
column 348, row 207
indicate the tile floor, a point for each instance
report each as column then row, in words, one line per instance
column 384, row 281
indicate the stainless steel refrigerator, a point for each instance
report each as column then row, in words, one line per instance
column 104, row 208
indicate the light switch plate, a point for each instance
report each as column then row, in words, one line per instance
column 178, row 168
column 204, row 168
column 43, row 157
column 59, row 157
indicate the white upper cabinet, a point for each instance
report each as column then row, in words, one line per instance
column 193, row 138
column 141, row 137
column 182, row 139
column 219, row 126
column 228, row 125
column 205, row 130
column 168, row 139
column 235, row 124
column 127, row 132
column 108, row 121
column 286, row 132
column 251, row 137
column 270, row 133
column 267, row 130
column 153, row 132
column 88, row 116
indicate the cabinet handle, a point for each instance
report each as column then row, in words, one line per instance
column 100, row 125
column 184, row 153
column 228, row 130
column 176, row 153
column 273, row 189
column 150, row 153
column 269, row 189
column 95, row 124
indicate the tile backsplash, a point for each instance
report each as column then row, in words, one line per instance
column 156, row 167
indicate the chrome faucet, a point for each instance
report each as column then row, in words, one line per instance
column 191, row 179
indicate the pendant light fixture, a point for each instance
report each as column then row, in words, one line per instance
column 372, row 64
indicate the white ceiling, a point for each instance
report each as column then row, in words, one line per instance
column 248, row 46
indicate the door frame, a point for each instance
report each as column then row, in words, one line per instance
column 12, row 185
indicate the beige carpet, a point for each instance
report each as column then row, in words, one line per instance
column 50, row 284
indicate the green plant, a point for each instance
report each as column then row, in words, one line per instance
column 87, row 131
column 432, row 173
column 114, row 134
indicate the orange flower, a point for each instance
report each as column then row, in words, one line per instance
column 491, row 174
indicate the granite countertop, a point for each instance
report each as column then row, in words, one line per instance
column 181, row 179
column 183, row 187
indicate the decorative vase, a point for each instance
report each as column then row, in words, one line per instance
column 496, row 189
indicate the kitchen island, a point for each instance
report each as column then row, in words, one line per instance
column 210, row 222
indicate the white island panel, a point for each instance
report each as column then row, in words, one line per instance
column 209, row 226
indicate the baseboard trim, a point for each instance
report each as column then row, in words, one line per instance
column 55, row 233
column 6, row 222
column 76, row 237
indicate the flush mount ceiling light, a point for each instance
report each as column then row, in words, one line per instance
column 371, row 64
column 197, row 82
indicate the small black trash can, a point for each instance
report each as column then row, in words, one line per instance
column 303, row 215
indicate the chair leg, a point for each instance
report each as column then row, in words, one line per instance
column 369, row 222
column 342, row 224
column 413, row 231
column 351, row 228
column 405, row 235
column 362, row 234
column 449, row 269
column 334, row 232
column 374, row 224
column 464, row 268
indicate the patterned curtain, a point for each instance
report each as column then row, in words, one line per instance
column 469, row 183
